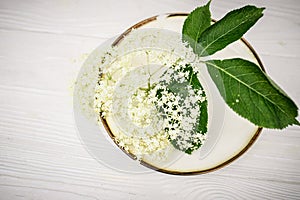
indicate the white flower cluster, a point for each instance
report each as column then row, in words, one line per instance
column 141, row 107
column 103, row 92
column 138, row 136
column 181, row 111
column 146, row 145
column 158, row 116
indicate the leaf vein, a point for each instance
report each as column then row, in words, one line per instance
column 204, row 49
column 247, row 86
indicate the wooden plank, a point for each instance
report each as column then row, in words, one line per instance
column 93, row 18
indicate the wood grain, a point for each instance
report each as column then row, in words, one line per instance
column 41, row 155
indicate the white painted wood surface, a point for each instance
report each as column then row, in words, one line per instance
column 42, row 46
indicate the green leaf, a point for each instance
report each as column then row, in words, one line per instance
column 251, row 94
column 203, row 119
column 196, row 22
column 227, row 30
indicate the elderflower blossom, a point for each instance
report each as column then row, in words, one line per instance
column 154, row 120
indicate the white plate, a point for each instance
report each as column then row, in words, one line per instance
column 229, row 135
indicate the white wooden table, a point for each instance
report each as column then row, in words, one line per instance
column 42, row 46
